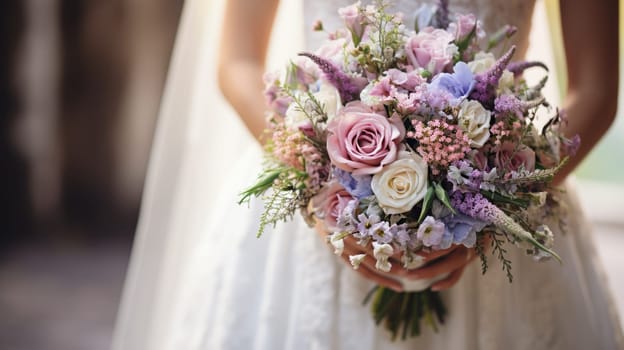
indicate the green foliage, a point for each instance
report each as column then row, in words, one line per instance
column 480, row 249
column 283, row 192
column 426, row 206
column 497, row 245
column 443, row 197
column 403, row 313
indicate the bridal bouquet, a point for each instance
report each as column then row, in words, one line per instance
column 412, row 139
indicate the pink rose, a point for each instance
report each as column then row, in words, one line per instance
column 511, row 157
column 362, row 141
column 353, row 18
column 465, row 24
column 480, row 160
column 330, row 203
column 431, row 49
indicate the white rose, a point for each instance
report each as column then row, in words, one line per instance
column 401, row 184
column 482, row 62
column 328, row 96
column 474, row 120
column 506, row 82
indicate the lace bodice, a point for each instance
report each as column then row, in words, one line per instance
column 493, row 14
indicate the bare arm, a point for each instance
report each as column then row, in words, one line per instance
column 244, row 43
column 590, row 30
column 243, row 48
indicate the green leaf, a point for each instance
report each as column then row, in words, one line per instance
column 499, row 198
column 261, row 186
column 443, row 197
column 543, row 248
column 426, row 203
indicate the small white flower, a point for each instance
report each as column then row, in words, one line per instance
column 356, row 260
column 338, row 244
column 382, row 252
column 482, row 62
column 475, row 121
column 400, row 185
column 412, row 261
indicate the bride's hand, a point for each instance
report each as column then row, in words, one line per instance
column 451, row 261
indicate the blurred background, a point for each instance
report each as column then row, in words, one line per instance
column 80, row 87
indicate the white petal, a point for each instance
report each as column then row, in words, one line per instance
column 381, row 251
column 337, row 243
column 383, row 265
column 412, row 261
column 356, row 260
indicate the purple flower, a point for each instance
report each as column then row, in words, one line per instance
column 381, row 232
column 475, row 206
column 359, row 186
column 346, row 220
column 459, row 83
column 441, row 19
column 366, row 224
column 430, row 231
column 439, row 99
column 401, row 235
column 347, row 86
column 487, row 82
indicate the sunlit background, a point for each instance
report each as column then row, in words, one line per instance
column 80, row 88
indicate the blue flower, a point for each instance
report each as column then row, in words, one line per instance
column 460, row 229
column 459, row 84
column 359, row 186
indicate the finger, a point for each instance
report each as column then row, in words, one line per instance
column 449, row 281
column 437, row 253
column 456, row 259
column 372, row 275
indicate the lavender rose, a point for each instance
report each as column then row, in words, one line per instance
column 511, row 157
column 362, row 141
column 431, row 49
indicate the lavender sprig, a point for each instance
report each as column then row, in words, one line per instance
column 341, row 81
column 486, row 83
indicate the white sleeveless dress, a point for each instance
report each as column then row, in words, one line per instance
column 288, row 291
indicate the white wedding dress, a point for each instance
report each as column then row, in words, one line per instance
column 200, row 279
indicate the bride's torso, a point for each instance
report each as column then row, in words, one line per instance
column 493, row 14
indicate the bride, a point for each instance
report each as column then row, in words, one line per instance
column 199, row 279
